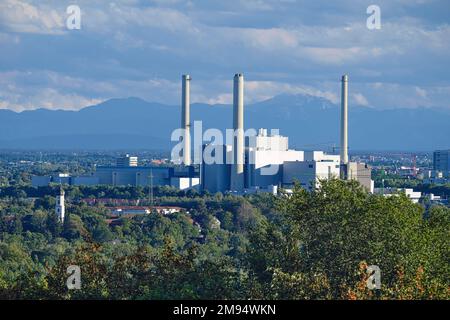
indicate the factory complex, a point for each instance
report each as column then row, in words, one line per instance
column 257, row 162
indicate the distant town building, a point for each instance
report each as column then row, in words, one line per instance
column 140, row 210
column 60, row 209
column 415, row 196
column 165, row 210
column 437, row 177
column 127, row 161
column 110, row 201
column 427, row 199
column 129, row 210
column 441, row 160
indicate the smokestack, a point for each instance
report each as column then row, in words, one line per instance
column 186, row 118
column 237, row 173
column 344, row 120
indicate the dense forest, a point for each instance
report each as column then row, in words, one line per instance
column 304, row 245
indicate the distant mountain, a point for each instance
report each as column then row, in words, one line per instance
column 310, row 123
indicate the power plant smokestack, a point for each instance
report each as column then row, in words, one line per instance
column 344, row 120
column 237, row 172
column 344, row 127
column 186, row 118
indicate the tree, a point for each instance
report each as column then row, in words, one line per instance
column 73, row 227
column 336, row 229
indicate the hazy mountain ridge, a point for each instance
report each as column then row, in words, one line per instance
column 310, row 122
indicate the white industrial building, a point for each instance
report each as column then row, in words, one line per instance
column 265, row 157
column 308, row 173
column 415, row 196
column 266, row 161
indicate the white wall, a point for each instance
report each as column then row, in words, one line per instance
column 308, row 173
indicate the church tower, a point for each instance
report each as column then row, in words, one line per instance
column 60, row 209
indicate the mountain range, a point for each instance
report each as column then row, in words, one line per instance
column 309, row 122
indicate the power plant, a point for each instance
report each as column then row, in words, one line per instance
column 253, row 161
column 266, row 162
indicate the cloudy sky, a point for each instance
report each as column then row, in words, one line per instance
column 141, row 48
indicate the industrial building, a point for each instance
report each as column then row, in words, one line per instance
column 266, row 162
column 261, row 162
column 184, row 176
column 63, row 178
column 128, row 173
column 181, row 177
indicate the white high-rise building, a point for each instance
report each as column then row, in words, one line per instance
column 60, row 208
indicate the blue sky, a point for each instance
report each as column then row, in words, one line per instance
column 141, row 48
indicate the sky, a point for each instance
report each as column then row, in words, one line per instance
column 135, row 48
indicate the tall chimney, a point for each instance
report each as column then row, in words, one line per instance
column 237, row 172
column 186, row 118
column 344, row 120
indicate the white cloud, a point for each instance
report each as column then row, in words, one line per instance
column 23, row 17
column 44, row 89
column 262, row 90
column 223, row 98
column 46, row 98
column 121, row 17
column 143, row 46
column 269, row 39
column 360, row 99
column 421, row 92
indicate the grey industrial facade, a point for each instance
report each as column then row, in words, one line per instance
column 142, row 176
column 182, row 177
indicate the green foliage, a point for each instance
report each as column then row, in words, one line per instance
column 304, row 245
column 336, row 229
